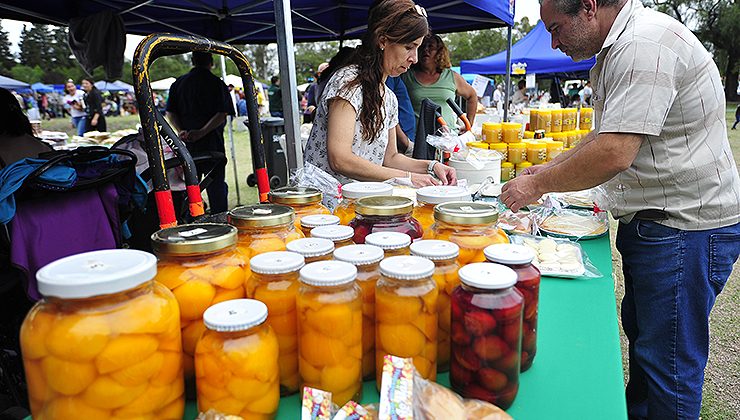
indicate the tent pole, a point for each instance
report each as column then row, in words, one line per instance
column 508, row 74
column 288, row 85
column 229, row 121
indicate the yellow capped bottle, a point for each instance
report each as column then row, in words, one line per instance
column 491, row 132
column 517, row 152
column 507, row 171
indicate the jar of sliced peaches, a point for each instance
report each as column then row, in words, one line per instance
column 304, row 200
column 354, row 191
column 341, row 235
column 312, row 249
column 428, row 197
column 392, row 243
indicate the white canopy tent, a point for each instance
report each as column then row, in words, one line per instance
column 163, row 84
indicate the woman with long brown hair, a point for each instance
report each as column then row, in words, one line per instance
column 354, row 137
column 94, row 105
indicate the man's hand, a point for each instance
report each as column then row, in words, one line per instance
column 534, row 169
column 446, row 174
column 520, row 191
column 195, row 135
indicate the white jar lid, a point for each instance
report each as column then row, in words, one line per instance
column 435, row 249
column 96, row 273
column 406, row 267
column 509, row 254
column 333, row 232
column 388, row 240
column 328, row 273
column 276, row 262
column 488, row 276
column 314, row 220
column 359, row 254
column 356, row 190
column 235, row 315
column 311, row 247
column 442, row 194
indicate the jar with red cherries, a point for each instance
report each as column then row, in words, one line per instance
column 384, row 214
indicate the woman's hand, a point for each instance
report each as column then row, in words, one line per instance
column 423, row 180
column 446, row 174
column 94, row 121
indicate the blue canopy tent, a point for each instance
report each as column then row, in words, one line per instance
column 12, row 84
column 42, row 88
column 117, row 86
column 467, row 76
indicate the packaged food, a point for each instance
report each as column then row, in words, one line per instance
column 537, row 153
column 340, row 235
column 585, row 118
column 545, row 120
column 216, row 415
column 491, row 132
column 392, row 243
column 517, row 152
column 529, row 134
column 534, row 122
column 315, row 220
column 570, row 115
column 352, row 411
column 428, row 197
column 315, row 404
column 511, row 132
column 556, row 125
column 304, row 200
column 397, row 390
column 557, row 257
column 576, row 224
column 384, row 214
column 502, row 148
column 519, row 222
column 354, row 191
column 312, row 249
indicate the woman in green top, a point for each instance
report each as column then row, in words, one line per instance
column 432, row 78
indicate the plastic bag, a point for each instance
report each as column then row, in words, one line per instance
column 312, row 176
column 558, row 257
column 551, row 220
column 435, row 402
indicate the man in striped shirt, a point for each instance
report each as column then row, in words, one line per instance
column 660, row 148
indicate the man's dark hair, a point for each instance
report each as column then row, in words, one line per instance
column 274, row 79
column 571, row 7
column 201, row 59
column 522, row 83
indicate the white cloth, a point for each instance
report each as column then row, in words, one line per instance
column 79, row 96
column 519, row 97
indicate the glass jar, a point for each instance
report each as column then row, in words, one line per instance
column 472, row 226
column 519, row 258
column 585, row 118
column 312, row 249
column 491, row 132
column 569, row 119
column 573, row 138
column 517, row 152
column 561, row 137
column 486, row 334
column 236, row 361
column 406, row 314
column 520, row 167
column 315, row 220
column 330, row 330
column 556, row 125
column 304, row 200
column 533, row 121
column 501, row 148
column 384, row 214
column 507, row 171
column 354, row 191
column 444, row 256
column 428, row 197
column 511, row 132
column 392, row 243
column 200, row 264
column 274, row 281
column 537, row 153
column 340, row 235
column 104, row 341
column 545, row 123
column 554, row 149
column 528, row 134
column 367, row 260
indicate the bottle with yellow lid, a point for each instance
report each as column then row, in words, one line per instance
column 585, row 118
column 520, row 167
column 545, row 120
column 491, row 132
column 384, row 214
column 533, row 121
column 264, row 227
column 477, row 145
column 428, row 197
column 507, row 171
column 554, row 148
column 502, row 148
column 392, row 243
column 527, row 135
column 537, row 153
column 340, row 235
column 304, row 200
column 511, row 132
column 472, row 226
column 556, row 121
column 573, row 138
column 315, row 220
column 312, row 249
column 236, row 361
column 517, row 152
column 354, row 191
column 569, row 119
column 104, row 341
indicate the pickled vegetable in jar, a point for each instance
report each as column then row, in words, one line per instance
column 274, row 281
column 236, row 361
column 517, row 152
column 491, row 132
column 520, row 167
column 104, row 342
column 340, row 235
column 315, row 220
column 556, row 124
column 406, row 314
column 585, row 118
column 392, row 243
column 312, row 249
column 519, row 258
column 501, row 148
column 472, row 226
column 511, row 132
column 537, row 153
column 304, row 200
column 367, row 259
column 486, row 334
column 444, row 255
column 384, row 214
column 354, row 191
column 507, row 171
column 428, row 197
column 330, row 330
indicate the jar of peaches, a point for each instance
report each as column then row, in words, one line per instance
column 201, row 265
column 519, row 258
column 330, row 330
column 486, row 334
column 384, row 214
column 444, row 255
column 428, row 197
column 367, row 259
column 104, row 342
column 274, row 282
column 315, row 220
column 304, row 200
column 340, row 235
column 472, row 226
column 312, row 249
column 236, row 361
column 392, row 243
column 406, row 314
column 354, row 191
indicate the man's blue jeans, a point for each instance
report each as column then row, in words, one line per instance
column 80, row 124
column 672, row 278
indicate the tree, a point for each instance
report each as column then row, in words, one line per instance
column 262, row 58
column 474, row 44
column 60, row 54
column 34, row 44
column 308, row 56
column 26, row 73
column 7, row 59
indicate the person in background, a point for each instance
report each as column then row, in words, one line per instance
column 520, row 96
column 573, row 90
column 312, row 94
column 234, row 94
column 737, row 116
column 16, row 137
column 406, row 128
column 585, row 94
column 498, row 95
column 275, row 96
column 74, row 103
column 95, row 120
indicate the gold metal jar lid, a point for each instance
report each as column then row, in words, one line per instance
column 466, row 213
column 194, row 239
column 295, row 195
column 384, row 205
column 261, row 215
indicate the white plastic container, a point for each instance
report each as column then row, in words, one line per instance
column 465, row 170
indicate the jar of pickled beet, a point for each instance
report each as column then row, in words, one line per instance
column 428, row 197
column 486, row 334
column 444, row 256
column 384, row 214
column 392, row 243
column 341, row 235
column 367, row 260
column 304, row 200
column 312, row 249
column 354, row 191
column 519, row 258
column 330, row 330
column 236, row 361
column 263, row 228
column 104, row 342
column 315, row 220
column 201, row 265
column 472, row 226
column 274, row 281
column 406, row 314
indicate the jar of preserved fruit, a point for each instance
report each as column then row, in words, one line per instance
column 384, row 214
column 104, row 341
column 534, row 122
column 537, row 153
column 517, row 152
column 507, row 171
column 521, row 166
column 274, row 281
column 444, row 256
column 354, row 191
column 312, row 249
column 367, row 259
column 556, row 125
column 392, row 243
column 511, row 132
column 472, row 226
column 519, row 258
column 491, row 132
column 263, row 228
column 315, row 220
column 330, row 330
column 341, row 235
column 304, row 200
column 406, row 314
column 428, row 197
column 486, row 334
column 236, row 361
column 201, row 265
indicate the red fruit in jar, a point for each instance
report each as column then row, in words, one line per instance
column 459, row 335
column 459, row 375
column 529, row 340
column 456, row 309
column 526, row 361
column 507, row 395
column 512, row 312
column 492, row 379
column 508, row 363
column 479, row 323
column 361, row 231
column 490, row 347
column 467, row 359
column 511, row 333
column 479, row 393
column 530, row 310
